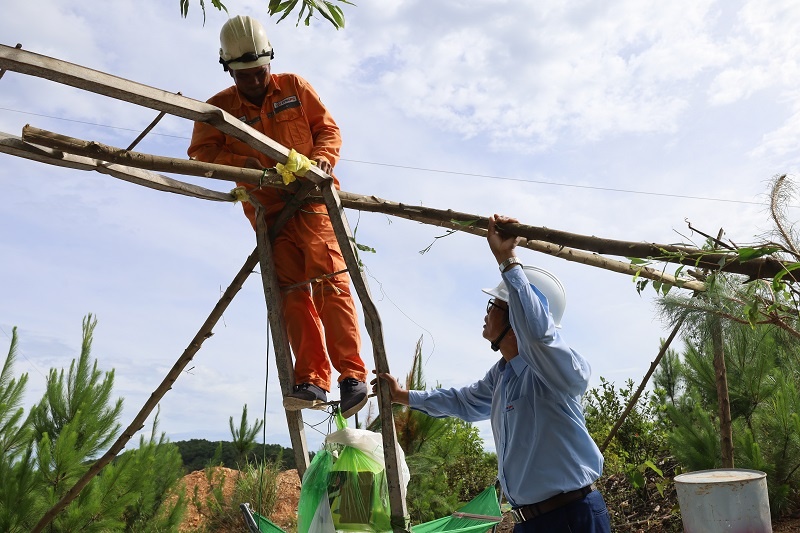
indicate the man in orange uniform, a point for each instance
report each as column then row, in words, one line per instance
column 321, row 320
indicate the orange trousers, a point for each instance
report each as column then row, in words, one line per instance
column 321, row 320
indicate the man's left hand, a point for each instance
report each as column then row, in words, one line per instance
column 324, row 166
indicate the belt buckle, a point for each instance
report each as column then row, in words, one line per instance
column 516, row 514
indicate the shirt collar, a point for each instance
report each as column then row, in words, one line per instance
column 517, row 365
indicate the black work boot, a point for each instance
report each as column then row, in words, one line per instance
column 305, row 396
column 354, row 396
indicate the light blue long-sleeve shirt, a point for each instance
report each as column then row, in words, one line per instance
column 533, row 401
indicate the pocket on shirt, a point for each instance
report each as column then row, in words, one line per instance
column 520, row 408
column 293, row 125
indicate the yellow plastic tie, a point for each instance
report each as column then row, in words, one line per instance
column 240, row 194
column 296, row 164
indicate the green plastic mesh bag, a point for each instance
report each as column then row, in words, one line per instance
column 358, row 493
column 313, row 511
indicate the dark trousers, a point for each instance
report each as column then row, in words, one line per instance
column 588, row 515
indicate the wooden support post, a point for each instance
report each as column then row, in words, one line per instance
column 280, row 340
column 397, row 496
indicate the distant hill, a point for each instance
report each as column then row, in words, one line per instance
column 197, row 453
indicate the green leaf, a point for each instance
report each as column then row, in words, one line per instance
column 324, row 12
column 337, row 15
column 300, row 15
column 665, row 288
column 637, row 480
column 362, row 247
column 641, row 285
column 746, row 254
column 786, row 269
column 638, row 261
column 649, row 464
column 287, row 8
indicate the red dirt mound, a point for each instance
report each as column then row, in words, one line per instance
column 285, row 513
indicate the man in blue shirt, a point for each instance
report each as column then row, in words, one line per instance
column 547, row 461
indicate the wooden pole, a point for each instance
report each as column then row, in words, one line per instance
column 3, row 71
column 136, row 93
column 147, row 130
column 397, row 496
column 645, row 379
column 723, row 398
column 280, row 339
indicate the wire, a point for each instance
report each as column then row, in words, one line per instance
column 452, row 172
column 558, row 184
column 21, row 352
column 90, row 123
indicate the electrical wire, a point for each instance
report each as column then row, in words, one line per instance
column 454, row 172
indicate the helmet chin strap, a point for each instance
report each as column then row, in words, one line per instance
column 496, row 342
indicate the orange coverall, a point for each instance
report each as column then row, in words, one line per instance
column 321, row 322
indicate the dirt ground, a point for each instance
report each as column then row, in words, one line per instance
column 285, row 513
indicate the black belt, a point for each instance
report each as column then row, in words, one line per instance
column 526, row 512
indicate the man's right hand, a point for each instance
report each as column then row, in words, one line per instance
column 396, row 392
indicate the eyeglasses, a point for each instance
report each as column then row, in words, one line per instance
column 248, row 57
column 491, row 304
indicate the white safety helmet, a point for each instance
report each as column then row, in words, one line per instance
column 244, row 44
column 547, row 283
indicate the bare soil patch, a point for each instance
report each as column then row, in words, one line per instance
column 284, row 514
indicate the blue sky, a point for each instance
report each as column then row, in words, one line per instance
column 548, row 113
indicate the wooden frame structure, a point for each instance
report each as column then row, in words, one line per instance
column 51, row 148
column 25, row 62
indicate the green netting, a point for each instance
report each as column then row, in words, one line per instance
column 265, row 525
column 350, row 493
column 480, row 514
column 314, row 490
column 358, row 493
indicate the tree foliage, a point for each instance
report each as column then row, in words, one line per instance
column 763, row 375
column 45, row 453
column 308, row 8
column 244, row 436
column 196, row 454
